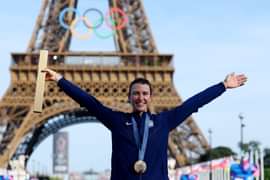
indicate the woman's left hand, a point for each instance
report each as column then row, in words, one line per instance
column 233, row 81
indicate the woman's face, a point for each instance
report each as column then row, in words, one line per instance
column 140, row 97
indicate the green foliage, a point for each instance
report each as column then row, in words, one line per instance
column 254, row 145
column 266, row 157
column 55, row 178
column 267, row 173
column 218, row 152
column 250, row 146
column 244, row 147
column 266, row 151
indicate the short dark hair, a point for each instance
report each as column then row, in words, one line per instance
column 140, row 81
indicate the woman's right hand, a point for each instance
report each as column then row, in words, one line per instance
column 51, row 75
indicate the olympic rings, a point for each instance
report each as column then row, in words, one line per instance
column 97, row 23
column 75, row 33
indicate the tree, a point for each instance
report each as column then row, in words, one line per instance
column 215, row 153
column 243, row 147
column 254, row 145
column 266, row 157
column 250, row 146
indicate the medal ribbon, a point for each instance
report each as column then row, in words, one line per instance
column 141, row 146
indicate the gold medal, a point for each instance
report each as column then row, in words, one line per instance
column 140, row 167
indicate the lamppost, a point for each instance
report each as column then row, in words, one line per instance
column 210, row 152
column 242, row 125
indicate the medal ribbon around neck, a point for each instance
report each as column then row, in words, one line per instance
column 141, row 146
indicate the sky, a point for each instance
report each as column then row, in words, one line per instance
column 209, row 39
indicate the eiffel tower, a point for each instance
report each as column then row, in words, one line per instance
column 136, row 55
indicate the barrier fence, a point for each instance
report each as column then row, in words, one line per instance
column 248, row 168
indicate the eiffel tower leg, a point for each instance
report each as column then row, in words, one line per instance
column 11, row 119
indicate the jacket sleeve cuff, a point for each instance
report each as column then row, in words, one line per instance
column 59, row 78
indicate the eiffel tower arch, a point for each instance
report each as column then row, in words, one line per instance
column 106, row 75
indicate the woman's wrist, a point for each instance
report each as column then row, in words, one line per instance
column 225, row 84
column 58, row 77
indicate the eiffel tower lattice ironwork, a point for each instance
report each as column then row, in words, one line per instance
column 108, row 79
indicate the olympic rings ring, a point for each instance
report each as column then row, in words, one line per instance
column 76, row 34
column 109, row 15
column 86, row 22
column 97, row 24
column 103, row 36
column 61, row 16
